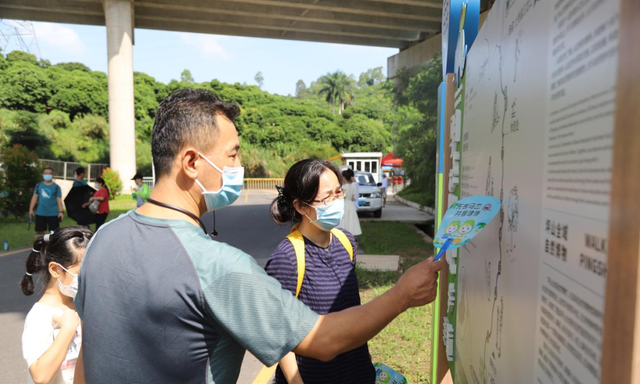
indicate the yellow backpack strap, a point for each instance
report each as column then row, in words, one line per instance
column 295, row 237
column 344, row 240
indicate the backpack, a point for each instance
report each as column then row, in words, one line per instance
column 296, row 239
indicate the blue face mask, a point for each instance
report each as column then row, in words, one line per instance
column 328, row 216
column 232, row 181
column 47, row 177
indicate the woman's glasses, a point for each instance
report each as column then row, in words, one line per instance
column 331, row 198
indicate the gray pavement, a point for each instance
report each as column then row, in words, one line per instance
column 246, row 225
column 395, row 211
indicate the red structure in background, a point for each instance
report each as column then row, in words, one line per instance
column 394, row 167
column 392, row 163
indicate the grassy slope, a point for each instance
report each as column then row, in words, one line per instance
column 405, row 344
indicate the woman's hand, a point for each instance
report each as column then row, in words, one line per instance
column 69, row 320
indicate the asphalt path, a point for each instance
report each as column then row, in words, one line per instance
column 245, row 225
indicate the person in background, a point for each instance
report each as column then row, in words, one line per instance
column 350, row 220
column 141, row 191
column 314, row 200
column 48, row 196
column 52, row 334
column 101, row 195
column 383, row 189
column 78, row 177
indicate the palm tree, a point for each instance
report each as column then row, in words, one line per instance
column 338, row 87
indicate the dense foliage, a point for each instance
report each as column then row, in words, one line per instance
column 21, row 173
column 60, row 111
column 112, row 180
column 417, row 118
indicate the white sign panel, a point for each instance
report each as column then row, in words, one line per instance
column 537, row 134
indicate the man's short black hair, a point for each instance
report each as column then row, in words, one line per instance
column 45, row 168
column 80, row 171
column 186, row 117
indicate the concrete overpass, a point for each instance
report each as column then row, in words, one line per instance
column 413, row 26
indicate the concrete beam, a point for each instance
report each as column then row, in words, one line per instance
column 417, row 3
column 414, row 57
column 70, row 6
column 55, row 16
column 122, row 137
column 170, row 24
column 358, row 7
column 282, row 26
column 291, row 14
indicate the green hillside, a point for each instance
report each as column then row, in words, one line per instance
column 60, row 111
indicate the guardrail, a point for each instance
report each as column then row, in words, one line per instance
column 64, row 169
column 250, row 183
column 263, row 183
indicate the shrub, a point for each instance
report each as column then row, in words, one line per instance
column 21, row 174
column 112, row 179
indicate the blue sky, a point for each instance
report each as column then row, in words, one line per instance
column 164, row 55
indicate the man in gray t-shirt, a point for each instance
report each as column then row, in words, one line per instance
column 161, row 302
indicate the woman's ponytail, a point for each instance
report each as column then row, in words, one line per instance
column 62, row 247
column 282, row 210
column 34, row 264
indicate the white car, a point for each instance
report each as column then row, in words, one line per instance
column 370, row 199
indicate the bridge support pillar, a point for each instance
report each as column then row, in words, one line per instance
column 119, row 22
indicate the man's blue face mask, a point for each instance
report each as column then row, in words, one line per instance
column 232, row 181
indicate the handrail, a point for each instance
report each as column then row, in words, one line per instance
column 263, row 183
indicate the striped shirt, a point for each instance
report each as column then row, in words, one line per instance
column 330, row 285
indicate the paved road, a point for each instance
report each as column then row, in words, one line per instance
column 245, row 225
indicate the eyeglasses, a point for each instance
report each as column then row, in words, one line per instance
column 331, row 198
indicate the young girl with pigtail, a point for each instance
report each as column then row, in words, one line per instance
column 52, row 334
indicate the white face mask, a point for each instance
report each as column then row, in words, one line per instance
column 69, row 290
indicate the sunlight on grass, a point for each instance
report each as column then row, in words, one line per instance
column 404, row 345
column 18, row 235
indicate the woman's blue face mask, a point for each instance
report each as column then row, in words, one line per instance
column 328, row 216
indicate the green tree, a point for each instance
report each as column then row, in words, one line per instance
column 73, row 67
column 24, row 86
column 78, row 92
column 22, row 56
column 185, row 77
column 338, row 88
column 371, row 77
column 301, row 89
column 4, row 64
column 364, row 135
column 21, row 174
column 259, row 79
column 113, row 182
column 417, row 121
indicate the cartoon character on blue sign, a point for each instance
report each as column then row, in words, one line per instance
column 464, row 229
column 451, row 229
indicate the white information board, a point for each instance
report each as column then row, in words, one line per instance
column 537, row 134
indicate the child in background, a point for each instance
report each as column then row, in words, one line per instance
column 52, row 334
